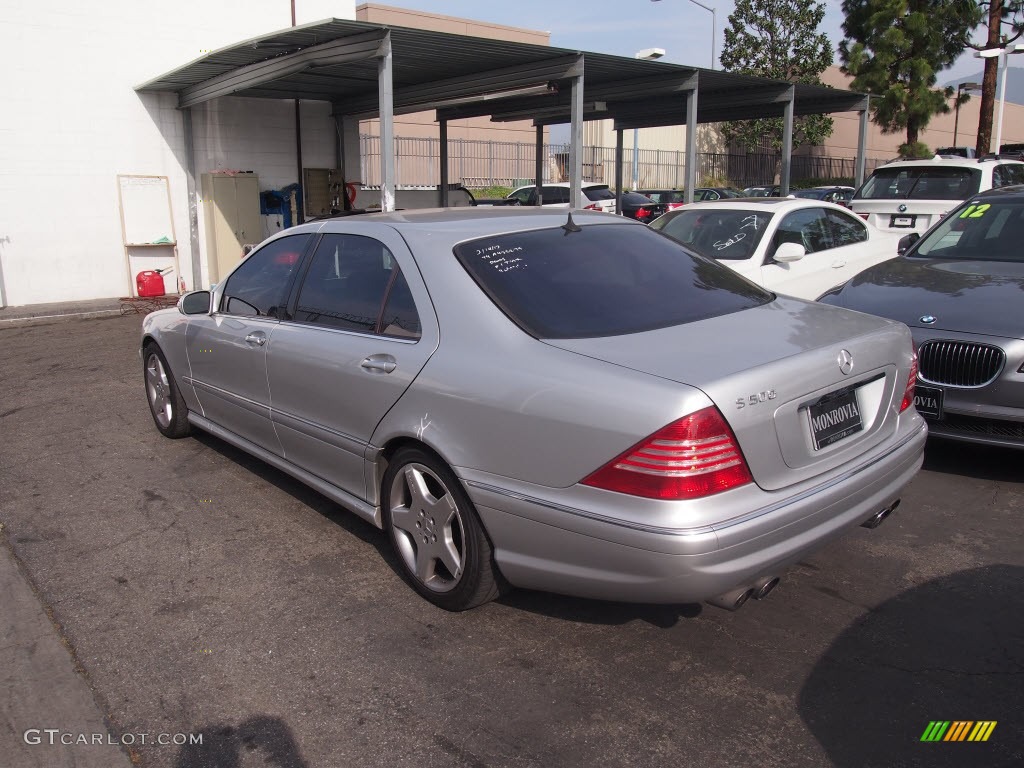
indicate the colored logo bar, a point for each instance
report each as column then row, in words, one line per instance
column 958, row 730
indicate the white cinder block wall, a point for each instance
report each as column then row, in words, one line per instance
column 71, row 122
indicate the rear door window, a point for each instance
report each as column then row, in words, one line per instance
column 348, row 281
column 602, row 280
column 846, row 230
column 556, row 195
column 1005, row 175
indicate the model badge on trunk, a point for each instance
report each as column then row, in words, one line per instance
column 758, row 397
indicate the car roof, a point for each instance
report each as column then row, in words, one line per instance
column 1008, row 194
column 963, row 162
column 766, row 203
column 586, row 185
column 465, row 223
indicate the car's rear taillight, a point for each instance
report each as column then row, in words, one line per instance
column 693, row 457
column 864, row 215
column 643, row 213
column 592, row 207
column 908, row 393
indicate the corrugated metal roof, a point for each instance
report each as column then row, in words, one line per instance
column 467, row 66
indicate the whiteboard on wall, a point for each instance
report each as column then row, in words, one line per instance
column 146, row 210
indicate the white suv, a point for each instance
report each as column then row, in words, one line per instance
column 911, row 195
column 556, row 195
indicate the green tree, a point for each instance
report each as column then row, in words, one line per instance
column 894, row 49
column 777, row 39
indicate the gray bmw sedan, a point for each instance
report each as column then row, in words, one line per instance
column 543, row 399
column 960, row 288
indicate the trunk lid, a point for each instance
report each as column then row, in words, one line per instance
column 769, row 369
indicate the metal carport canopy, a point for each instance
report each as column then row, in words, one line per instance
column 370, row 70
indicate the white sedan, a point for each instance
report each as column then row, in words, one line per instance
column 798, row 247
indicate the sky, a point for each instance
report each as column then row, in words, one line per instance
column 623, row 27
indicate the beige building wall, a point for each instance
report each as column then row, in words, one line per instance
column 422, row 124
column 939, row 133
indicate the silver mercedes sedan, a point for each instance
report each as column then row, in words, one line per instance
column 553, row 400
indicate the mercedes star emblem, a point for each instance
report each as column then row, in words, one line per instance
column 928, row 319
column 845, row 362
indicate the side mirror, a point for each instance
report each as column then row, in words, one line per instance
column 788, row 252
column 194, row 303
column 905, row 242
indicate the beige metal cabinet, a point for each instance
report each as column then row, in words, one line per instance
column 231, row 207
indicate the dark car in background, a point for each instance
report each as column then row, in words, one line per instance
column 960, row 288
column 840, row 195
column 766, row 190
column 671, row 198
column 641, row 208
column 700, row 194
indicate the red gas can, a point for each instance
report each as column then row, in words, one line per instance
column 149, row 283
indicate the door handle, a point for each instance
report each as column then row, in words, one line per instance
column 256, row 338
column 379, row 364
column 838, row 264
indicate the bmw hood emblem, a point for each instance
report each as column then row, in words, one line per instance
column 902, row 208
column 845, row 362
column 928, row 319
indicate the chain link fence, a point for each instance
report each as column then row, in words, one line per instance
column 479, row 164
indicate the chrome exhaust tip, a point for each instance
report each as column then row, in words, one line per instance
column 761, row 591
column 732, row 600
column 879, row 517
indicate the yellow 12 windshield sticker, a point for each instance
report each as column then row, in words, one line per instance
column 975, row 211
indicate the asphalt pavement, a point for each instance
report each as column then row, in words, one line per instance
column 185, row 591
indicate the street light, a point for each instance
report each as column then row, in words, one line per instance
column 1002, row 53
column 648, row 54
column 959, row 89
column 714, row 26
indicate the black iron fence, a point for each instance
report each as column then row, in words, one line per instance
column 482, row 163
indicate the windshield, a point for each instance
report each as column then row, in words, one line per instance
column 811, row 194
column 720, row 234
column 601, row 280
column 921, row 183
column 978, row 231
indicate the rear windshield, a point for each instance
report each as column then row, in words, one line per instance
column 716, row 233
column 634, row 198
column 599, row 193
column 978, row 231
column 604, row 280
column 921, row 183
column 674, row 196
column 811, row 194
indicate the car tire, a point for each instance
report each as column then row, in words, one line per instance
column 436, row 533
column 167, row 406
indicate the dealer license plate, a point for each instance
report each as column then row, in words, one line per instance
column 928, row 401
column 835, row 417
column 902, row 221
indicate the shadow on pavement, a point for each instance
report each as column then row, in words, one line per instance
column 951, row 649
column 224, row 746
column 980, row 461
